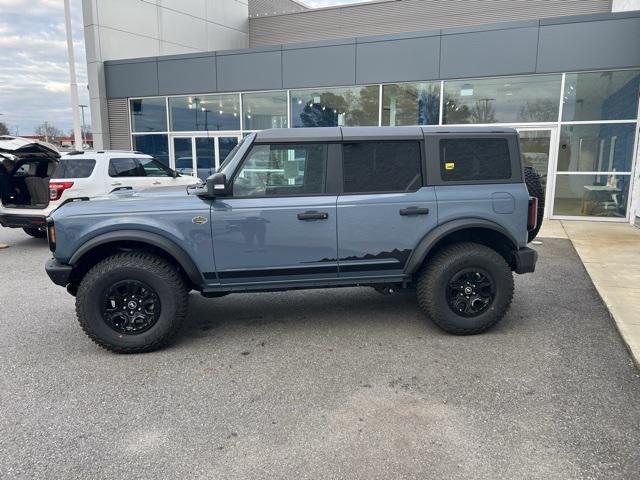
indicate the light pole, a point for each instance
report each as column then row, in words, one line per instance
column 73, row 84
column 84, row 127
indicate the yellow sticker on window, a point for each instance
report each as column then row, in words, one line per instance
column 449, row 166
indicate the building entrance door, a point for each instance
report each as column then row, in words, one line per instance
column 200, row 155
column 538, row 149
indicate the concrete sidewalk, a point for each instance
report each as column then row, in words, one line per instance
column 610, row 253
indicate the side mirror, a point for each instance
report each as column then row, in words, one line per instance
column 217, row 185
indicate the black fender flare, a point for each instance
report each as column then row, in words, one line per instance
column 153, row 239
column 434, row 236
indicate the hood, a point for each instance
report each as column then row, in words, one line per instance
column 131, row 201
column 18, row 148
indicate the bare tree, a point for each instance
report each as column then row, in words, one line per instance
column 3, row 129
column 48, row 132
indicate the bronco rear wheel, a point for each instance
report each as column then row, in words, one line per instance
column 132, row 302
column 465, row 288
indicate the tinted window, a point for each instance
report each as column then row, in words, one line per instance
column 155, row 145
column 149, row 115
column 264, row 110
column 381, row 166
column 281, row 170
column 332, row 107
column 463, row 159
column 125, row 167
column 601, row 95
column 153, row 168
column 502, row 100
column 76, row 168
column 411, row 104
column 605, row 147
column 207, row 112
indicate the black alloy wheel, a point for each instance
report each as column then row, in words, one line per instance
column 470, row 292
column 130, row 307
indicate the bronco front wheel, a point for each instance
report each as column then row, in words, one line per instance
column 132, row 302
column 465, row 288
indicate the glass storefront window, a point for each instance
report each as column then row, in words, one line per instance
column 155, row 145
column 596, row 148
column 411, row 104
column 591, row 195
column 148, row 115
column 205, row 113
column 264, row 110
column 332, row 107
column 601, row 96
column 502, row 100
column 535, row 146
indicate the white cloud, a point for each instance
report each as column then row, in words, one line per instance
column 34, row 74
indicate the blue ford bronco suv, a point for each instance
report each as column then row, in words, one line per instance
column 443, row 210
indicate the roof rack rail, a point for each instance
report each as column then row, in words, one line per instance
column 75, row 152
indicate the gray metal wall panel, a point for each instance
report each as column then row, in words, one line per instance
column 596, row 42
column 498, row 52
column 259, row 8
column 132, row 79
column 398, row 60
column 250, row 71
column 187, row 75
column 118, row 112
column 397, row 16
column 589, row 45
column 319, row 66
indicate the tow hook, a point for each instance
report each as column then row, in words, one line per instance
column 386, row 290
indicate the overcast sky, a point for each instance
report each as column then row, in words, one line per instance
column 34, row 75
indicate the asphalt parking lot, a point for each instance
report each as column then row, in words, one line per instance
column 342, row 383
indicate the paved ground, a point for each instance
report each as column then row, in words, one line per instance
column 611, row 254
column 326, row 384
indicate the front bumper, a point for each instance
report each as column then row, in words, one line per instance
column 11, row 220
column 59, row 273
column 526, row 259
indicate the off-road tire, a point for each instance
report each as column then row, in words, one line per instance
column 151, row 269
column 35, row 232
column 532, row 180
column 440, row 268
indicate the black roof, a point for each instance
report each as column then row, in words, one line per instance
column 315, row 134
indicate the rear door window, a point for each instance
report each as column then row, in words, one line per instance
column 125, row 167
column 382, row 166
column 474, row 159
column 74, row 168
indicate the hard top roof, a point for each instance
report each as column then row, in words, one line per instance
column 328, row 134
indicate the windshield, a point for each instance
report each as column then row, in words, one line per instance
column 232, row 153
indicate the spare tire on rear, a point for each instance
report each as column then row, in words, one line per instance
column 532, row 179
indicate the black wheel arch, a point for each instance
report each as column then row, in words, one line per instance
column 476, row 230
column 106, row 244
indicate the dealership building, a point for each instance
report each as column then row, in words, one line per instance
column 185, row 80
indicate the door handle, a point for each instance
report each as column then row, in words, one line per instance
column 116, row 184
column 313, row 216
column 156, row 183
column 414, row 211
